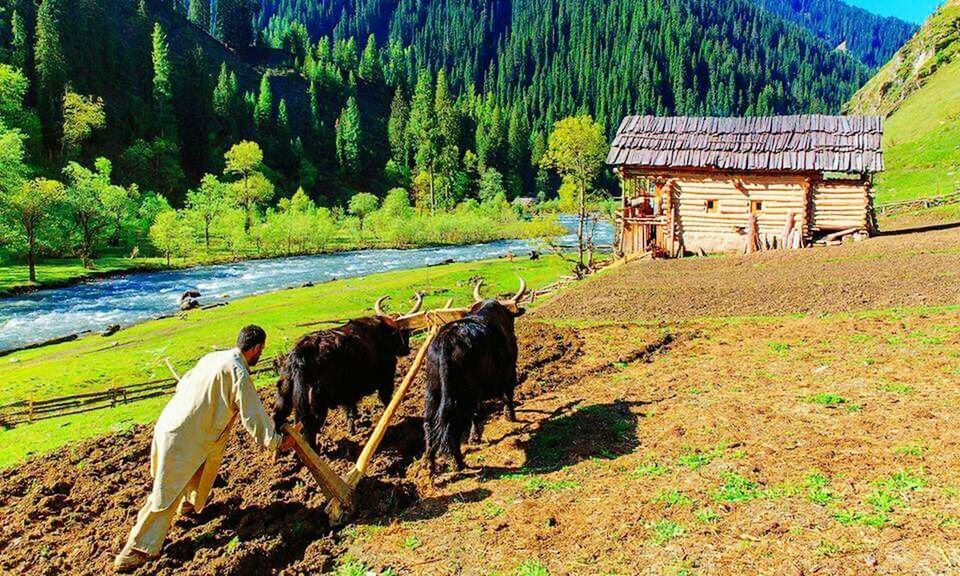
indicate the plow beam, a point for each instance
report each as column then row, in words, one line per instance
column 338, row 494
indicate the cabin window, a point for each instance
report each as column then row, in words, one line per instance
column 756, row 206
column 713, row 206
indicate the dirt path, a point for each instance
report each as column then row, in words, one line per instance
column 912, row 269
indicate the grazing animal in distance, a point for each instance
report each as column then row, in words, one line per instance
column 339, row 367
column 470, row 361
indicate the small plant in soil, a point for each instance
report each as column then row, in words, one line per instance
column 664, row 531
column 914, row 450
column 817, row 489
column 532, row 568
column 827, row 548
column 826, row 399
column 780, row 348
column 648, row 469
column 707, row 515
column 492, row 510
column 673, row 498
column 412, row 542
column 537, row 484
column 233, row 544
column 895, row 388
column 697, row 459
column 736, row 488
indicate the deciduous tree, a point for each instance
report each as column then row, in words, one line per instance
column 253, row 189
column 576, row 150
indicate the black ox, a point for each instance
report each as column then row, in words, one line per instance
column 470, row 361
column 338, row 367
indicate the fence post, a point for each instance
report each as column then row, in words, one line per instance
column 30, row 412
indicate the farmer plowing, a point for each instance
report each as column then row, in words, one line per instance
column 190, row 437
column 325, row 369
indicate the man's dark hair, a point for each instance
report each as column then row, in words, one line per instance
column 250, row 337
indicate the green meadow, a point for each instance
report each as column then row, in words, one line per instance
column 136, row 354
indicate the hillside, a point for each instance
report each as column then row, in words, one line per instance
column 871, row 38
column 552, row 58
column 935, row 44
column 918, row 92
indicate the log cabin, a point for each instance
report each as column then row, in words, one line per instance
column 701, row 185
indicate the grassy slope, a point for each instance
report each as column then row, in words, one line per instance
column 136, row 354
column 922, row 141
column 918, row 93
column 936, row 43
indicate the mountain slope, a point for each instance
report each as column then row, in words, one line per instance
column 608, row 57
column 935, row 44
column 871, row 38
column 919, row 92
column 922, row 140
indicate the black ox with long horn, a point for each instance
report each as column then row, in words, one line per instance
column 339, row 367
column 469, row 362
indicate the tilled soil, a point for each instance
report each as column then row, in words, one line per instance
column 900, row 269
column 69, row 512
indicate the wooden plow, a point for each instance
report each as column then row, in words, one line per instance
column 339, row 491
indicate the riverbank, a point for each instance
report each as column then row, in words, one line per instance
column 137, row 354
column 64, row 272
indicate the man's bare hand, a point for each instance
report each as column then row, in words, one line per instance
column 287, row 444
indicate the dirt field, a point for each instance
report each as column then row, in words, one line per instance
column 901, row 269
column 802, row 444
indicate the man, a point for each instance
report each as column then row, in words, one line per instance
column 190, row 437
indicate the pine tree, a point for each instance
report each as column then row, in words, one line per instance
column 51, row 71
column 370, row 68
column 397, row 129
column 283, row 119
column 349, row 138
column 263, row 113
column 20, row 43
column 200, row 13
column 224, row 94
column 162, row 91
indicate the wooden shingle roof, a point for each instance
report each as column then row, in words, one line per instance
column 849, row 144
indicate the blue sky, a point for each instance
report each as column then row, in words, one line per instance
column 910, row 10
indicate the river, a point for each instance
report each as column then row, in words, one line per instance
column 135, row 297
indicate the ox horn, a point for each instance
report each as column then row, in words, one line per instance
column 476, row 292
column 378, row 307
column 417, row 305
column 521, row 291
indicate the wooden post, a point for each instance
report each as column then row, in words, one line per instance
column 30, row 413
column 380, row 431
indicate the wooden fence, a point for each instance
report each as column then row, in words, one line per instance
column 907, row 205
column 30, row 410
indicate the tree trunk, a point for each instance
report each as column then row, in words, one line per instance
column 31, row 253
column 580, row 225
column 206, row 234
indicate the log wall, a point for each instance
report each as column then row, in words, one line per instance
column 819, row 207
column 723, row 230
column 840, row 205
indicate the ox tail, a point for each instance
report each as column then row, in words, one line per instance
column 298, row 384
column 446, row 430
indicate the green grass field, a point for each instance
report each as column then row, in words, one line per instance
column 61, row 271
column 922, row 141
column 137, row 354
